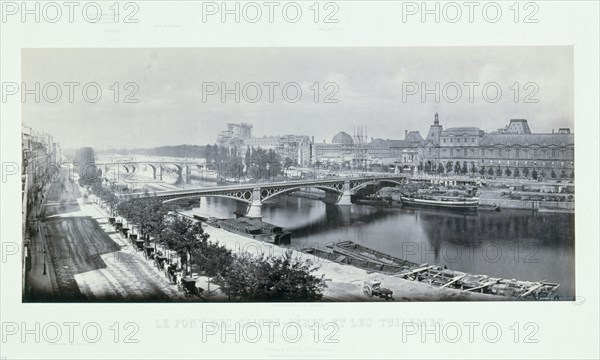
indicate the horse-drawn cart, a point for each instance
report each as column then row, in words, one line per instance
column 139, row 244
column 188, row 286
column 373, row 288
column 159, row 260
column 149, row 251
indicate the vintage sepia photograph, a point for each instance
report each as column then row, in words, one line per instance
column 340, row 179
column 306, row 174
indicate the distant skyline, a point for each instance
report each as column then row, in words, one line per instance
column 171, row 110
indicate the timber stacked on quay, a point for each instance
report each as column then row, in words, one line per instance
column 347, row 252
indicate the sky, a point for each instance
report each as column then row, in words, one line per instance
column 378, row 88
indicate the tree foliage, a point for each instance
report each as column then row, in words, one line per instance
column 85, row 163
column 106, row 195
column 183, row 236
column 146, row 214
column 457, row 168
column 212, row 259
column 272, row 279
column 263, row 164
column 440, row 168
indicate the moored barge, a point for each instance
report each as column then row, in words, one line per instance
column 255, row 229
column 441, row 202
column 347, row 252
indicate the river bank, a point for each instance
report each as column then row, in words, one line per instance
column 345, row 282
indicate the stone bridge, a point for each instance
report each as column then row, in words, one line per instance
column 337, row 191
column 123, row 170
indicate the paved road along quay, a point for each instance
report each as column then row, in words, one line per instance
column 87, row 259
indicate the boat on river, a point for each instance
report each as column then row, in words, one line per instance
column 348, row 252
column 256, row 229
column 442, row 202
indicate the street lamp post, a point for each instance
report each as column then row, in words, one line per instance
column 44, row 273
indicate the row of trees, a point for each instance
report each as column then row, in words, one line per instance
column 85, row 163
column 464, row 169
column 256, row 163
column 242, row 277
column 263, row 164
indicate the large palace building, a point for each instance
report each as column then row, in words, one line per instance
column 514, row 146
column 238, row 138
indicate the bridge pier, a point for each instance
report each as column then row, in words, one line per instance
column 345, row 198
column 188, row 175
column 255, row 208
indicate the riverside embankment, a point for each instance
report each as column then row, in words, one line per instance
column 345, row 282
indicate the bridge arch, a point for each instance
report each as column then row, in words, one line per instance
column 364, row 184
column 154, row 168
column 240, row 196
column 266, row 194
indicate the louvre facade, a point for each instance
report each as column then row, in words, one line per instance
column 514, row 146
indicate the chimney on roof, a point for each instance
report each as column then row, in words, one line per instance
column 405, row 134
column 553, row 131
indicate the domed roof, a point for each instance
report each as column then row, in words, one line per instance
column 342, row 138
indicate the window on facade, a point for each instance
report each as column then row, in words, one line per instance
column 535, row 152
column 451, row 140
column 553, row 152
column 517, row 152
column 465, row 139
column 444, row 141
column 499, row 152
column 465, row 152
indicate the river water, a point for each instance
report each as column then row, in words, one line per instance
column 514, row 244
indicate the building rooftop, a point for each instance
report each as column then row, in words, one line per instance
column 413, row 136
column 381, row 143
column 459, row 131
column 528, row 139
column 342, row 138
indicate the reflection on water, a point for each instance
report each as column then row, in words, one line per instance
column 515, row 244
